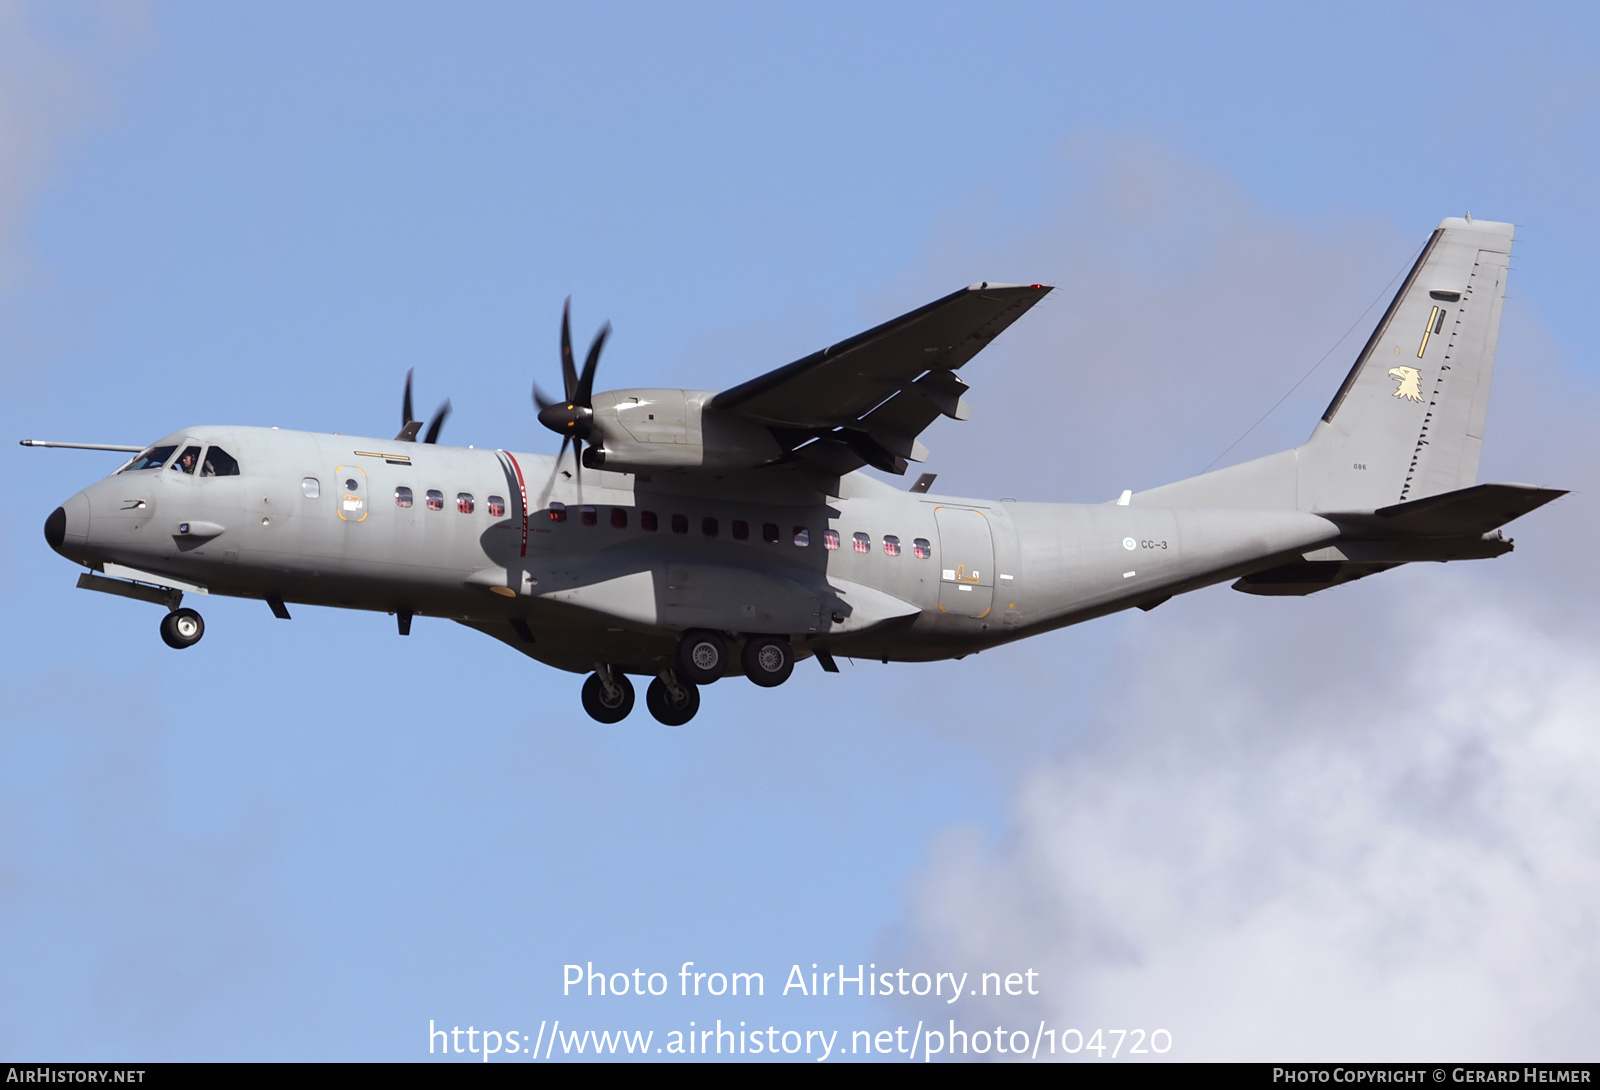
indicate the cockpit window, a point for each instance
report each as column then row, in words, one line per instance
column 188, row 460
column 219, row 463
column 154, row 458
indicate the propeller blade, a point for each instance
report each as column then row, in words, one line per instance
column 408, row 426
column 586, row 382
column 550, row 482
column 573, row 418
column 438, row 422
column 569, row 373
column 577, row 463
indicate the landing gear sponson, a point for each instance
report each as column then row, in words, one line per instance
column 673, row 696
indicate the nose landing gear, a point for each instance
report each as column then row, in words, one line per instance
column 182, row 628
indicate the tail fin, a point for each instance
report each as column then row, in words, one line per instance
column 1408, row 421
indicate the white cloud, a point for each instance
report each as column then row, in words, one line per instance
column 1357, row 825
column 1313, row 847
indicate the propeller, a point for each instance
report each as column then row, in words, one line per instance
column 572, row 419
column 410, row 427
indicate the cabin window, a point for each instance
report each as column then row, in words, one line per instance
column 218, row 463
column 435, row 500
column 769, row 532
column 802, row 536
column 861, row 542
column 402, row 494
column 921, row 549
column 891, row 546
column 464, row 503
column 680, row 524
column 741, row 530
column 648, row 522
column 558, row 512
column 830, row 539
column 154, row 458
column 311, row 487
column 619, row 517
column 588, row 515
column 708, row 526
column 497, row 507
column 188, row 461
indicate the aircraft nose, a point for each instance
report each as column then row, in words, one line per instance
column 68, row 524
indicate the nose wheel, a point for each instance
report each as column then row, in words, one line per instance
column 182, row 628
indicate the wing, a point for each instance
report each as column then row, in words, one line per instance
column 865, row 400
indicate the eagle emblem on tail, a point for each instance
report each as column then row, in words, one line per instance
column 1410, row 382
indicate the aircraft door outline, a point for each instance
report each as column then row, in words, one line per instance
column 353, row 493
column 966, row 587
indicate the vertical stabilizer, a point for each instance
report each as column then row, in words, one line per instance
column 1408, row 421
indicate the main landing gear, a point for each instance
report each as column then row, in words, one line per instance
column 702, row 657
column 182, row 628
column 673, row 696
column 671, row 701
column 768, row 661
column 608, row 695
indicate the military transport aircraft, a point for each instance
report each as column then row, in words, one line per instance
column 693, row 535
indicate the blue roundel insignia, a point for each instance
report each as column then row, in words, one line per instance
column 1128, row 543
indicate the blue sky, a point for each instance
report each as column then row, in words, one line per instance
column 266, row 215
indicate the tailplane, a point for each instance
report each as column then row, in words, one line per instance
column 1460, row 525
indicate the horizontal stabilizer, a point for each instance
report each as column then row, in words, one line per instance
column 1466, row 511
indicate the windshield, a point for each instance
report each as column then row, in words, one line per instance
column 154, row 458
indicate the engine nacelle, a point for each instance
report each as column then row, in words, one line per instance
column 673, row 429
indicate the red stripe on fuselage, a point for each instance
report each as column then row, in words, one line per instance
column 523, row 487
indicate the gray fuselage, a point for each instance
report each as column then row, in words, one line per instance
column 639, row 558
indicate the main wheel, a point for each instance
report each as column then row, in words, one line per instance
column 182, row 628
column 702, row 657
column 768, row 661
column 608, row 708
column 674, row 713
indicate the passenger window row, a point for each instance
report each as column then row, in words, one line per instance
column 650, row 522
column 466, row 504
column 738, row 529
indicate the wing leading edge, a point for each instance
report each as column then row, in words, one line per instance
column 865, row 400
